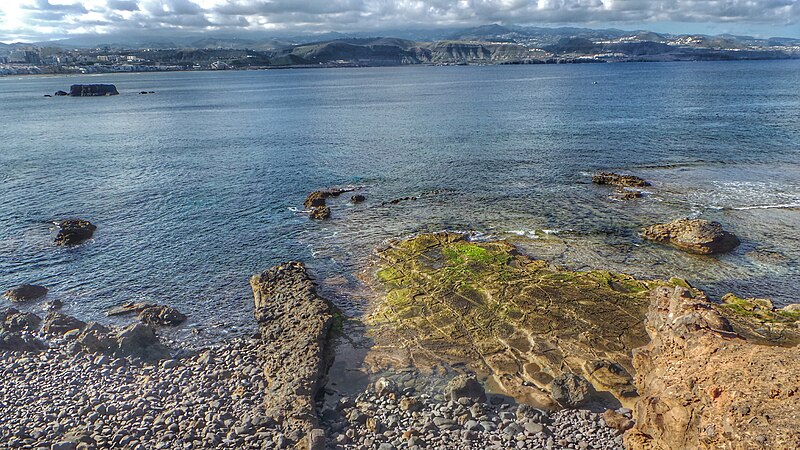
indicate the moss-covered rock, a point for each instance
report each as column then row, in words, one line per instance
column 519, row 322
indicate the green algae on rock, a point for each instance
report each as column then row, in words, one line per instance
column 519, row 322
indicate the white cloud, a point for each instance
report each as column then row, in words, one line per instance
column 64, row 17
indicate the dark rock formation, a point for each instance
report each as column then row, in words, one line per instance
column 627, row 194
column 320, row 212
column 358, row 198
column 295, row 324
column 317, row 198
column 20, row 342
column 25, row 292
column 57, row 323
column 693, row 235
column 465, row 386
column 161, row 315
column 61, row 94
column 13, row 320
column 570, row 390
column 614, row 179
column 74, row 231
column 140, row 341
column 92, row 90
column 704, row 385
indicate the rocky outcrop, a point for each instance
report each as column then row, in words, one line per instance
column 614, row 179
column 92, row 90
column 20, row 342
column 140, row 341
column 693, row 235
column 358, row 198
column 535, row 332
column 294, row 323
column 25, row 292
column 59, row 324
column 74, row 231
column 13, row 320
column 315, row 201
column 703, row 384
column 161, row 315
column 320, row 212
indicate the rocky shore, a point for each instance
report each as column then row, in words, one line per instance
column 527, row 355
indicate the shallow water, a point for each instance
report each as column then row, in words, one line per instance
column 200, row 185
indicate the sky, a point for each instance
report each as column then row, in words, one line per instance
column 38, row 20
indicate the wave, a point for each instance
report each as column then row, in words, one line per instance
column 780, row 206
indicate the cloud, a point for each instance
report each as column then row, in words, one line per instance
column 63, row 17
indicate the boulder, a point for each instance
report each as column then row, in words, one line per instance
column 25, row 292
column 358, row 198
column 317, row 198
column 320, row 212
column 57, row 323
column 161, row 315
column 92, row 90
column 95, row 338
column 74, row 231
column 614, row 179
column 385, row 386
column 20, row 342
column 698, row 236
column 465, row 386
column 14, row 320
column 570, row 390
column 61, row 94
column 140, row 341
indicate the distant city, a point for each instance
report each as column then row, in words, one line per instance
column 491, row 44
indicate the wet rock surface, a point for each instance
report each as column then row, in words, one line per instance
column 161, row 315
column 295, row 326
column 74, row 232
column 693, row 235
column 518, row 322
column 92, row 90
column 705, row 385
column 25, row 293
column 615, row 179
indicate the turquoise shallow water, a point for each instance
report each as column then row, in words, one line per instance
column 199, row 186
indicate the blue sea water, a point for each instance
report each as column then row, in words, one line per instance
column 200, row 185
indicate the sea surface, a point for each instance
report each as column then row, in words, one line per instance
column 200, row 185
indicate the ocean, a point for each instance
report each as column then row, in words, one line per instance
column 200, row 185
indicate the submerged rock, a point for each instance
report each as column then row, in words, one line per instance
column 693, row 235
column 627, row 194
column 61, row 94
column 358, row 198
column 320, row 212
column 129, row 308
column 74, row 231
column 25, row 292
column 614, row 179
column 704, row 385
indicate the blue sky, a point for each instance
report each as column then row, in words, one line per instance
column 52, row 19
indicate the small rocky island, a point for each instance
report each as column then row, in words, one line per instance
column 92, row 90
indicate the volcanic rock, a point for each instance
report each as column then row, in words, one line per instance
column 92, row 90
column 58, row 323
column 74, row 231
column 705, row 385
column 294, row 323
column 358, row 198
column 614, row 179
column 320, row 212
column 161, row 315
column 693, row 235
column 139, row 340
column 25, row 292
